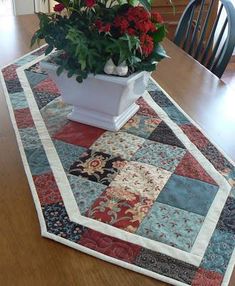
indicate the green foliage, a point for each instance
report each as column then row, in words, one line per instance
column 146, row 4
column 87, row 33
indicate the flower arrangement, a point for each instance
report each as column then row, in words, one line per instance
column 96, row 36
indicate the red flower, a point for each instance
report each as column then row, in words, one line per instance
column 131, row 32
column 90, row 3
column 146, row 43
column 145, row 26
column 137, row 13
column 156, row 17
column 59, row 7
column 106, row 28
column 122, row 23
column 99, row 24
column 102, row 27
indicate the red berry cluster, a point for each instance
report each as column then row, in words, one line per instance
column 136, row 21
column 102, row 27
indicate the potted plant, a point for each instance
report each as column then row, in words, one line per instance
column 102, row 54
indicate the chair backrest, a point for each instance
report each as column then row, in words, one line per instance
column 212, row 45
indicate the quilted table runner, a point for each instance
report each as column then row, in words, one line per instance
column 157, row 197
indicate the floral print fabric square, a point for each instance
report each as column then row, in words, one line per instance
column 171, row 225
column 118, row 144
column 97, row 166
column 160, row 155
column 120, row 208
column 142, row 179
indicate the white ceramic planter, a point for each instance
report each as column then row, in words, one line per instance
column 103, row 101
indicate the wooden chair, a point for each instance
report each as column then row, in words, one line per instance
column 206, row 31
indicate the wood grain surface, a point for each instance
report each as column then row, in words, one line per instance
column 28, row 259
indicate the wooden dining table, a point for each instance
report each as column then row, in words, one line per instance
column 26, row 258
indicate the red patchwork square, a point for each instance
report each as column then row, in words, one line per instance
column 47, row 189
column 145, row 109
column 23, row 118
column 205, row 277
column 110, row 246
column 47, row 86
column 79, row 134
column 189, row 167
column 195, row 135
column 9, row 73
column 120, row 208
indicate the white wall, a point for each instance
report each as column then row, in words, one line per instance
column 52, row 4
column 23, row 7
column 41, row 6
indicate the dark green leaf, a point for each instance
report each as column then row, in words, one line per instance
column 34, row 39
column 159, row 53
column 160, row 35
column 146, row 4
column 59, row 70
column 70, row 73
column 48, row 50
column 79, row 79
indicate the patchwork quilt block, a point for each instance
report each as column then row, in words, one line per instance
column 156, row 197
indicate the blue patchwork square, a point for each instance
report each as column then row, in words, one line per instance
column 58, row 222
column 68, row 153
column 25, row 60
column 18, row 100
column 37, row 161
column 85, row 192
column 159, row 155
column 219, row 251
column 176, row 115
column 141, row 125
column 34, row 78
column 30, row 138
column 152, row 86
column 173, row 226
column 227, row 217
column 160, row 98
column 232, row 193
column 55, row 115
column 188, row 194
column 13, row 86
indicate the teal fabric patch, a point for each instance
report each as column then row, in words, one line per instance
column 37, row 161
column 173, row 226
column 34, row 78
column 30, row 138
column 176, row 115
column 160, row 98
column 188, row 194
column 151, row 86
column 85, row 192
column 55, row 115
column 160, row 155
column 232, row 193
column 18, row 100
column 141, row 126
column 68, row 153
column 25, row 60
column 219, row 251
